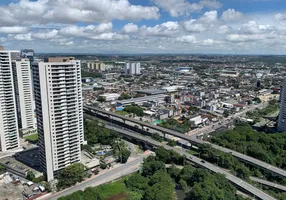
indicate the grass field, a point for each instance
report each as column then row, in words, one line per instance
column 115, row 190
column 32, row 138
column 121, row 112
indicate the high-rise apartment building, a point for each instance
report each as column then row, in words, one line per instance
column 99, row 66
column 59, row 109
column 132, row 68
column 282, row 115
column 9, row 132
column 24, row 94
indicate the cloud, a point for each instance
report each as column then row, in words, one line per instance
column 24, row 37
column 231, row 15
column 207, row 21
column 168, row 29
column 186, row 39
column 71, row 11
column 13, row 29
column 46, row 35
column 181, row 7
column 130, row 28
column 86, row 31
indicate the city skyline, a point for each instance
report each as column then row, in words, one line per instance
column 153, row 26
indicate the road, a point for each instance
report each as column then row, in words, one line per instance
column 268, row 183
column 199, row 162
column 195, row 141
column 111, row 175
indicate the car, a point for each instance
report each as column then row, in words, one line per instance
column 203, row 161
column 190, row 158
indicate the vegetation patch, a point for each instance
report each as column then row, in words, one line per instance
column 32, row 138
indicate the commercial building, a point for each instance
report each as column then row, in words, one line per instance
column 141, row 100
column 110, row 96
column 132, row 68
column 59, row 111
column 99, row 66
column 282, row 115
column 24, row 94
column 9, row 132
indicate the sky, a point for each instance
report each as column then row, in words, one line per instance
column 144, row 26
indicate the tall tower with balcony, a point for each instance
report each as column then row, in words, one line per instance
column 9, row 133
column 59, row 110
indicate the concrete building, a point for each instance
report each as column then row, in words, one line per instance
column 110, row 96
column 9, row 132
column 24, row 94
column 59, row 110
column 132, row 68
column 282, row 115
column 99, row 66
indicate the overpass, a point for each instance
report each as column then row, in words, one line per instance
column 268, row 183
column 247, row 159
column 239, row 183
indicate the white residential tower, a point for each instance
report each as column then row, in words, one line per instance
column 9, row 133
column 59, row 109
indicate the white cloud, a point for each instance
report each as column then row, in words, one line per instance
column 202, row 24
column 13, row 29
column 182, row 7
column 130, row 28
column 86, row 31
column 25, row 37
column 46, row 34
column 187, row 39
column 168, row 28
column 231, row 15
column 109, row 36
column 280, row 17
column 72, row 11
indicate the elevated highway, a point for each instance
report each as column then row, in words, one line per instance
column 194, row 141
column 239, row 183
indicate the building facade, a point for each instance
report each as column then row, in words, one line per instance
column 24, row 94
column 59, row 109
column 99, row 66
column 9, row 131
column 282, row 115
column 132, row 68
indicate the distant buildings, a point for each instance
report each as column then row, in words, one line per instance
column 226, row 73
column 132, row 68
column 59, row 109
column 9, row 131
column 98, row 66
column 282, row 116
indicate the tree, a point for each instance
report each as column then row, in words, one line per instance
column 150, row 167
column 172, row 143
column 124, row 96
column 71, row 175
column 226, row 113
column 101, row 98
column 162, row 187
column 30, row 175
column 121, row 151
column 134, row 109
column 137, row 182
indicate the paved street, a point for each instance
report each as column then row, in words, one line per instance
column 110, row 175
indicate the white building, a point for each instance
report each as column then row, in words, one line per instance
column 24, row 94
column 110, row 96
column 132, row 68
column 9, row 133
column 282, row 116
column 59, row 109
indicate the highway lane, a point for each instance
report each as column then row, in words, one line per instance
column 195, row 141
column 199, row 162
column 268, row 183
column 111, row 175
